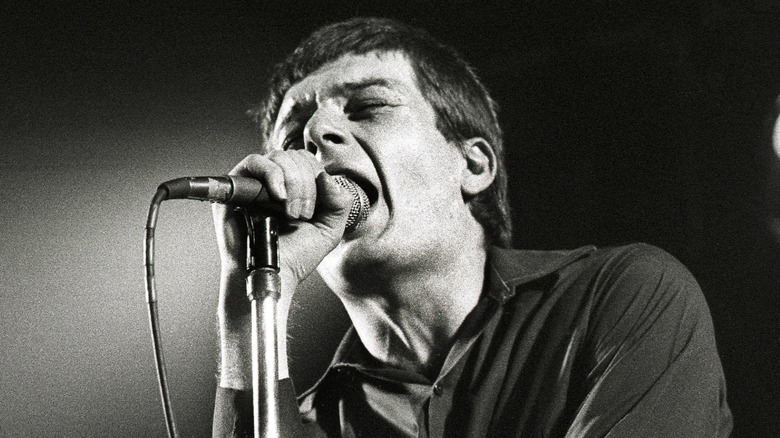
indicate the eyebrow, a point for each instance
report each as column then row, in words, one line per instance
column 290, row 115
column 367, row 83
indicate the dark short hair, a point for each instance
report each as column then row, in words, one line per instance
column 462, row 104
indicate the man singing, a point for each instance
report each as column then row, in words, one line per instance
column 453, row 333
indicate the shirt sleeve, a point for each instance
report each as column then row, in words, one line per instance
column 653, row 365
column 233, row 413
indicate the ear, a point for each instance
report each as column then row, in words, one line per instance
column 480, row 168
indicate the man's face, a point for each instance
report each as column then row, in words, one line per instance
column 365, row 117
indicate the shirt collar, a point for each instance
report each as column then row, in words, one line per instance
column 509, row 268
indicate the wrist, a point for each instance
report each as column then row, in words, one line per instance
column 235, row 337
column 235, row 330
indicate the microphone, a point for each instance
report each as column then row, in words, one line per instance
column 243, row 191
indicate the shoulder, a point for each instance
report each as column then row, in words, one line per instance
column 639, row 288
column 647, row 344
column 522, row 266
column 590, row 276
column 641, row 259
column 591, row 269
column 628, row 269
column 639, row 269
column 616, row 289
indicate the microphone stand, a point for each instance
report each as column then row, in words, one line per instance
column 263, row 288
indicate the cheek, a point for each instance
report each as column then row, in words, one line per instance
column 443, row 165
column 430, row 166
column 423, row 173
column 412, row 150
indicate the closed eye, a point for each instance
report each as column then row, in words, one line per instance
column 365, row 109
column 293, row 142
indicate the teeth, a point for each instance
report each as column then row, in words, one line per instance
column 360, row 205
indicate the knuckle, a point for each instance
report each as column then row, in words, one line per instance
column 276, row 152
column 250, row 165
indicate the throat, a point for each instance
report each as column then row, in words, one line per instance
column 412, row 345
column 408, row 317
column 415, row 333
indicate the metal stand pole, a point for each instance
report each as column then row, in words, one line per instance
column 263, row 290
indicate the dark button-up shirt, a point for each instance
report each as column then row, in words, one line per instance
column 584, row 343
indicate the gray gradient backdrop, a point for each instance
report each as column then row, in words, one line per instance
column 637, row 123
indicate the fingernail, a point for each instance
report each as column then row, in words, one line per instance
column 281, row 190
column 308, row 209
column 294, row 208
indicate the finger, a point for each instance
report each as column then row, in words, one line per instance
column 334, row 202
column 230, row 225
column 267, row 171
column 299, row 174
column 293, row 180
column 230, row 233
column 310, row 167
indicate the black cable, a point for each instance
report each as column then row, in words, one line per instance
column 151, row 300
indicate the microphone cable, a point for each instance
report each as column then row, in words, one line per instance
column 151, row 300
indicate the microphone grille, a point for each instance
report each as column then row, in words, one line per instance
column 360, row 205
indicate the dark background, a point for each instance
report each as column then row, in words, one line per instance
column 624, row 122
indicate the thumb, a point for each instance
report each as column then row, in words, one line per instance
column 334, row 203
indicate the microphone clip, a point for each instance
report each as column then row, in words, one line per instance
column 262, row 239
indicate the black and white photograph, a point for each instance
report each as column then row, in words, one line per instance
column 390, row 219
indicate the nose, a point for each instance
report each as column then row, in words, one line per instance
column 324, row 134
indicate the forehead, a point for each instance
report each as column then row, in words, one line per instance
column 336, row 78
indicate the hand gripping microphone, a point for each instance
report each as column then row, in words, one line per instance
column 244, row 191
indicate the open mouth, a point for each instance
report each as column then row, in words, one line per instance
column 370, row 190
column 361, row 202
column 367, row 187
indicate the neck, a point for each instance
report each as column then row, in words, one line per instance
column 408, row 319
